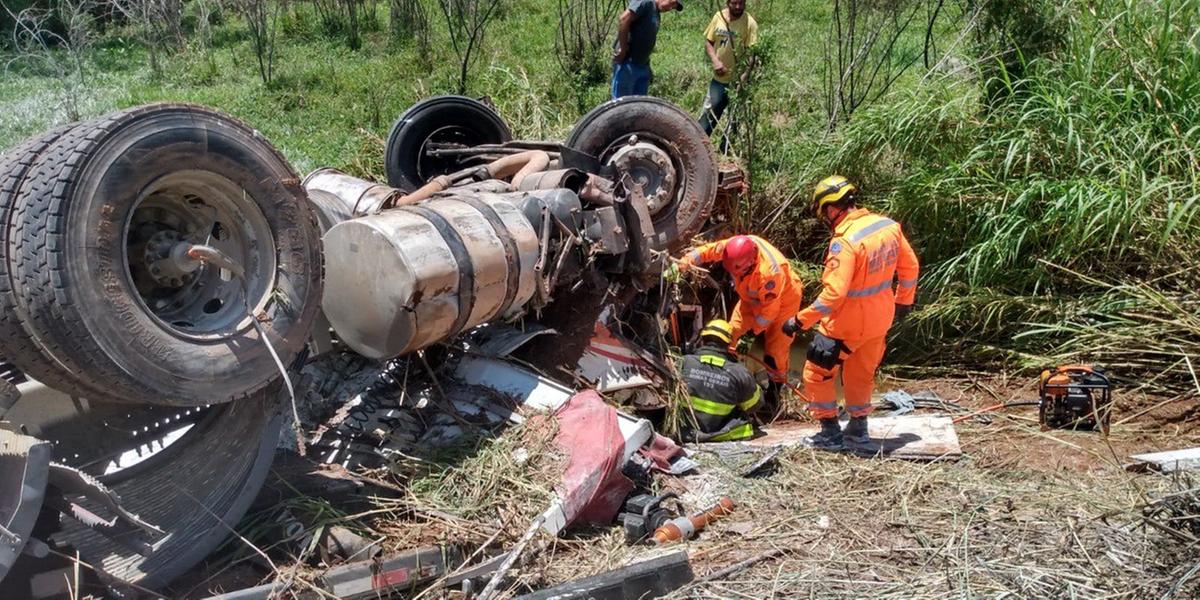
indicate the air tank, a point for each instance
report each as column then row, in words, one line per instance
column 357, row 196
column 405, row 278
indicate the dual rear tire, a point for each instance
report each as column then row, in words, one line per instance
column 98, row 298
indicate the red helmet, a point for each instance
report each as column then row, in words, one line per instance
column 741, row 254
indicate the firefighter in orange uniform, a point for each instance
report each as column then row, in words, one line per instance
column 870, row 280
column 768, row 294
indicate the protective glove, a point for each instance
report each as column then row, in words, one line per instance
column 825, row 351
column 902, row 311
column 791, row 327
column 671, row 274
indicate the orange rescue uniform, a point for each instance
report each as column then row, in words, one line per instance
column 767, row 297
column 856, row 307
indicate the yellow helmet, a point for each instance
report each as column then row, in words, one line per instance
column 831, row 190
column 720, row 329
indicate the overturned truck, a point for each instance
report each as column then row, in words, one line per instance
column 164, row 271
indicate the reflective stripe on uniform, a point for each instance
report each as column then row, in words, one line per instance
column 763, row 249
column 871, row 291
column 872, row 228
column 742, row 431
column 761, row 320
column 907, row 283
column 823, row 405
column 695, row 256
column 710, row 408
column 753, row 401
column 716, row 361
column 821, row 307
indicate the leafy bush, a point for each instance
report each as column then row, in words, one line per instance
column 1038, row 216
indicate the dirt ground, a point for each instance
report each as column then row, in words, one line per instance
column 1024, row 514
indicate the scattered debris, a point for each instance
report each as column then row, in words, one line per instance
column 390, row 574
column 644, row 514
column 490, row 589
column 763, row 465
column 377, row 578
column 651, row 578
column 741, row 565
column 611, row 363
column 685, row 528
column 1167, row 462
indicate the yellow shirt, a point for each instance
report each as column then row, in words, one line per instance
column 731, row 39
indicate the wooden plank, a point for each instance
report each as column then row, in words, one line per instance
column 907, row 437
column 1171, row 460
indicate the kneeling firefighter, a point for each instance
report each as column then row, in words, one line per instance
column 721, row 391
column 768, row 294
column 870, row 280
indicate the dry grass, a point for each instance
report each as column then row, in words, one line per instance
column 1027, row 514
column 889, row 529
column 497, row 484
column 945, row 530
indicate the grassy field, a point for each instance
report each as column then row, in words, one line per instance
column 329, row 105
column 1056, row 221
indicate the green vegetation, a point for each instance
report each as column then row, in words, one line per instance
column 1046, row 170
column 1061, row 223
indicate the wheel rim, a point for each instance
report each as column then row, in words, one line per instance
column 428, row 166
column 643, row 156
column 185, row 296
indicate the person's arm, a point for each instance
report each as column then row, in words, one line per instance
column 623, row 26
column 702, row 255
column 740, row 322
column 835, row 283
column 710, row 45
column 718, row 67
column 750, row 394
column 907, row 270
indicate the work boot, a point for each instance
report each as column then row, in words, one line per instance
column 856, row 431
column 770, row 407
column 829, row 438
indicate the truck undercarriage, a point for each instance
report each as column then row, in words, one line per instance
column 166, row 277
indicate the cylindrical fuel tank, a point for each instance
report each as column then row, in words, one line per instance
column 409, row 277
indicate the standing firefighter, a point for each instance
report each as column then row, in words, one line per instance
column 768, row 294
column 721, row 391
column 855, row 309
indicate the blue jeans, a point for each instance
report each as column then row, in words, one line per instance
column 714, row 105
column 630, row 79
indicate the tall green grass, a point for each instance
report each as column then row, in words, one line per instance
column 1064, row 221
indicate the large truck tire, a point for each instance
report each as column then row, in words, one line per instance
column 661, row 147
column 442, row 119
column 101, row 223
column 16, row 344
